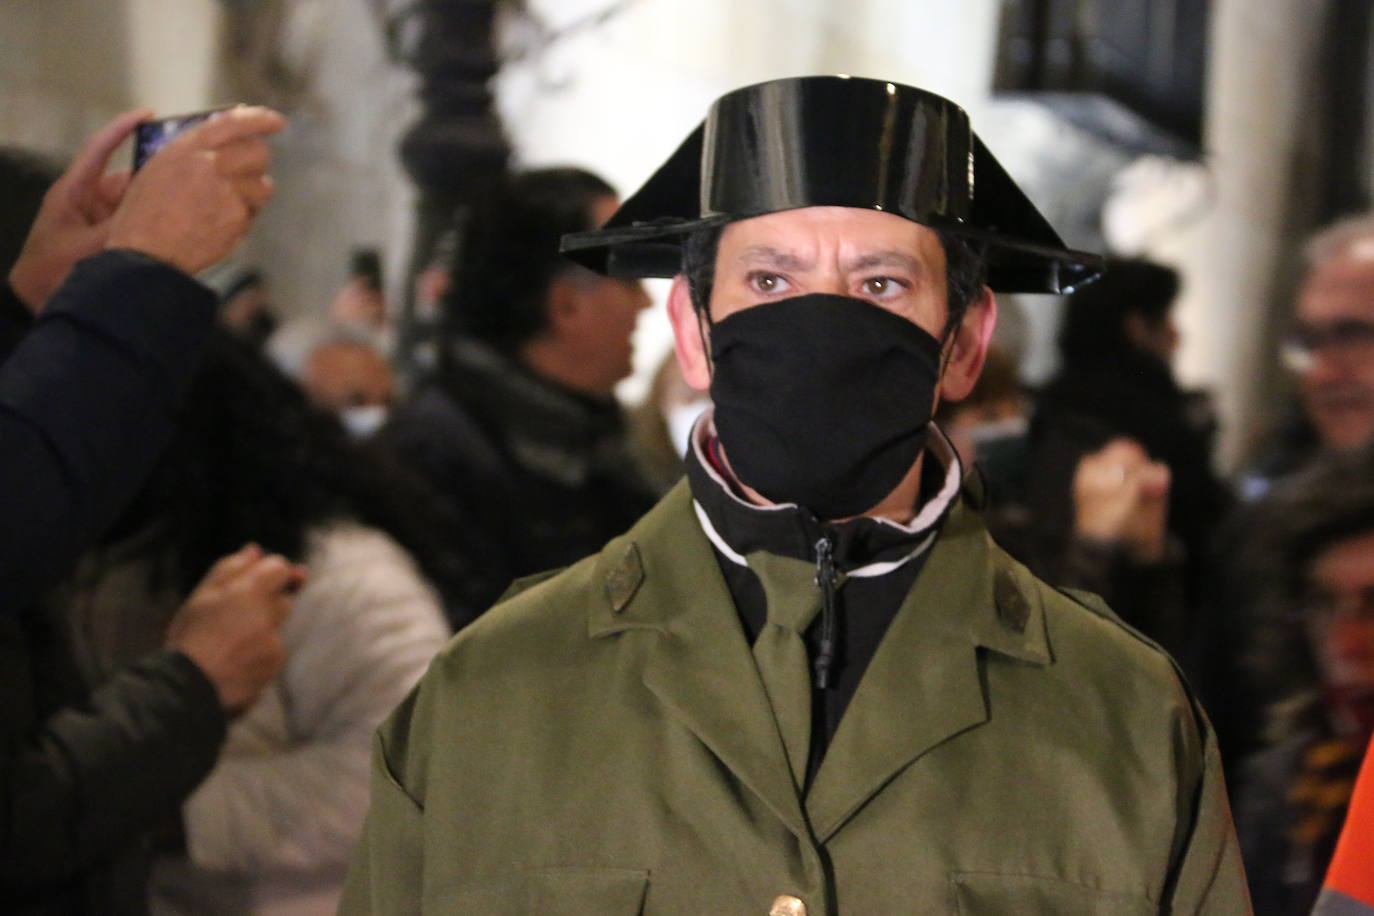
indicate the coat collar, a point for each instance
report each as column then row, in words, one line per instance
column 662, row 576
column 922, row 687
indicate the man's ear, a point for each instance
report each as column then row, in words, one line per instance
column 968, row 348
column 687, row 334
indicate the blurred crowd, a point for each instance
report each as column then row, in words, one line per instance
column 236, row 534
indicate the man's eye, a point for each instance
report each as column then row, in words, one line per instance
column 882, row 286
column 767, row 283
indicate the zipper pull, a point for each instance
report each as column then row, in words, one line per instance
column 826, row 578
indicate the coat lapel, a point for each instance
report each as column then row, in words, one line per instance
column 923, row 685
column 699, row 664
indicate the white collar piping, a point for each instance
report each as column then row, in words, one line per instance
column 938, row 447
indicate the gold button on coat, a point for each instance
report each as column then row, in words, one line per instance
column 787, row 905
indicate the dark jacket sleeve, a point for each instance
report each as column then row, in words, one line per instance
column 87, row 401
column 97, row 774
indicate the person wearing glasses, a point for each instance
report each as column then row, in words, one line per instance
column 1329, row 349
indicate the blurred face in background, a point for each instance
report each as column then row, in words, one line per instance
column 342, row 374
column 1340, row 615
column 352, row 381
column 594, row 318
column 592, row 321
column 1158, row 336
column 1332, row 346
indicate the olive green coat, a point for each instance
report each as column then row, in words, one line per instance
column 601, row 744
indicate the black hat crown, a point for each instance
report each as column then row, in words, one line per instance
column 835, row 141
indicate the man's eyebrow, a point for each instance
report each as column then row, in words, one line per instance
column 772, row 257
column 778, row 259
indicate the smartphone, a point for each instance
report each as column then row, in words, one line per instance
column 366, row 265
column 151, row 136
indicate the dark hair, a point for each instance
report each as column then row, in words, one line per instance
column 24, row 178
column 965, row 270
column 1332, row 501
column 251, row 460
column 508, row 253
column 1094, row 323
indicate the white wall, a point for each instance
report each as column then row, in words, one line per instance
column 68, row 66
column 173, row 53
column 339, row 183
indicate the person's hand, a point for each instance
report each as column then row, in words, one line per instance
column 195, row 198
column 74, row 219
column 1121, row 497
column 230, row 625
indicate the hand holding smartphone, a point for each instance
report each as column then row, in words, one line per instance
column 202, row 179
column 151, row 136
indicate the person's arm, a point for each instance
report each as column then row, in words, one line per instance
column 88, row 397
column 1120, row 548
column 96, row 775
column 87, row 401
column 362, row 633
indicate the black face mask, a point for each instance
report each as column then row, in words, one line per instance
column 822, row 400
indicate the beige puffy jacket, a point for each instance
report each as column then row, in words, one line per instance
column 271, row 829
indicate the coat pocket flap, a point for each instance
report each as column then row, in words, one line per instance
column 548, row 892
column 987, row 893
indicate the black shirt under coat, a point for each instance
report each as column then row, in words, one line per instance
column 865, row 606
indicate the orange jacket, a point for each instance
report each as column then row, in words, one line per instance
column 1349, row 886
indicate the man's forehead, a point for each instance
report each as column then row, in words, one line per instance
column 792, row 259
column 1340, row 285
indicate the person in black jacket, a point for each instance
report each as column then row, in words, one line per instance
column 1115, row 382
column 520, row 431
column 86, row 401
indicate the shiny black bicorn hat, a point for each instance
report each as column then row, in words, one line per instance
column 835, row 141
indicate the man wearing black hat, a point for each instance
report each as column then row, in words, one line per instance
column 807, row 682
